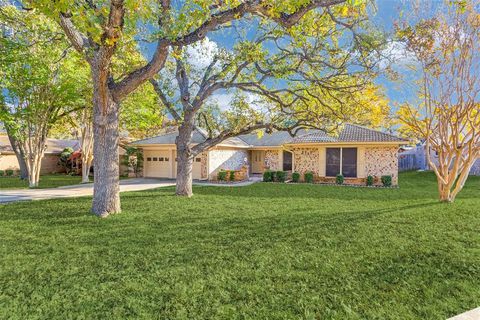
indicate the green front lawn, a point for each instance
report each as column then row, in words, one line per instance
column 266, row 251
column 46, row 181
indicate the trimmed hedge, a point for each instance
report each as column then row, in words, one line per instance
column 339, row 179
column 222, row 175
column 9, row 172
column 369, row 181
column 232, row 175
column 295, row 177
column 308, row 176
column 268, row 176
column 2, row 173
column 387, row 181
column 280, row 176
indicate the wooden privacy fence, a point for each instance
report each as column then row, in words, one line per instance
column 407, row 162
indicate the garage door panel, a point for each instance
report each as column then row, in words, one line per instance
column 158, row 164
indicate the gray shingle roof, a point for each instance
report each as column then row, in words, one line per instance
column 349, row 133
column 53, row 145
column 267, row 140
column 169, row 138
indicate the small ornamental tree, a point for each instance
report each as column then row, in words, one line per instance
column 36, row 85
column 447, row 49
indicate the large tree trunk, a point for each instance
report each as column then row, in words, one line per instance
column 20, row 156
column 185, row 157
column 106, row 189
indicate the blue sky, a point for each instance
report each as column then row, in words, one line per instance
column 384, row 17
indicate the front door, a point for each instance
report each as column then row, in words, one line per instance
column 258, row 161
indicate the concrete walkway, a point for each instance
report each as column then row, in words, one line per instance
column 469, row 315
column 80, row 190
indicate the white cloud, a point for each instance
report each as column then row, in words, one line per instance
column 224, row 100
column 201, row 53
column 397, row 54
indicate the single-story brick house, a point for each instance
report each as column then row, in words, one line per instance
column 356, row 152
column 54, row 147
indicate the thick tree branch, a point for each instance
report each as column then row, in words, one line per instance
column 78, row 40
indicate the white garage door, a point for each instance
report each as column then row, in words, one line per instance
column 158, row 164
column 197, row 167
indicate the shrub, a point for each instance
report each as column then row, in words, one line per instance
column 232, row 175
column 9, row 172
column 222, row 175
column 340, row 179
column 369, row 181
column 268, row 176
column 387, row 181
column 295, row 177
column 2, row 173
column 308, row 176
column 64, row 160
column 133, row 159
column 280, row 176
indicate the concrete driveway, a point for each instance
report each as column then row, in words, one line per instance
column 79, row 190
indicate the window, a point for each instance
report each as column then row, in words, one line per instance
column 287, row 161
column 167, row 159
column 155, row 159
column 333, row 162
column 160, row 159
column 198, row 160
column 149, row 159
column 349, row 162
column 341, row 161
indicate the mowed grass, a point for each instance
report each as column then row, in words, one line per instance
column 266, row 251
column 46, row 181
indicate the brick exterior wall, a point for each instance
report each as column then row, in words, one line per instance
column 49, row 163
column 375, row 161
column 380, row 161
column 272, row 160
column 306, row 159
column 227, row 159
column 204, row 165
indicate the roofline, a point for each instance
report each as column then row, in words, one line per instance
column 172, row 145
column 290, row 144
column 347, row 143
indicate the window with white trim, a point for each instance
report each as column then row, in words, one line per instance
column 341, row 161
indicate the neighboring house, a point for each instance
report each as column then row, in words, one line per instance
column 356, row 152
column 417, row 159
column 54, row 147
